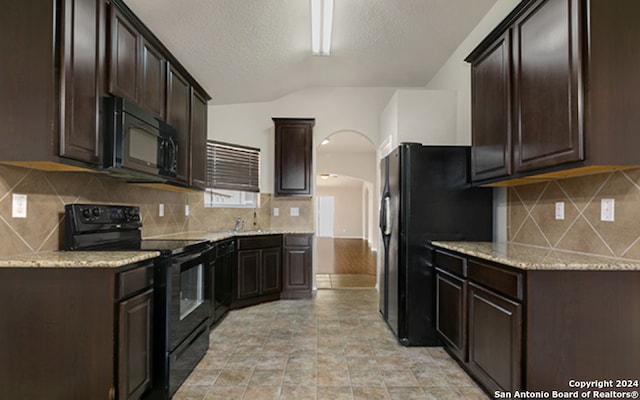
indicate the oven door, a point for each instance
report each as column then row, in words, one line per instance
column 190, row 303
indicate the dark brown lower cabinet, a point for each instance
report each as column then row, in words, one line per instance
column 297, row 266
column 537, row 330
column 495, row 339
column 258, row 274
column 75, row 333
column 134, row 341
column 451, row 312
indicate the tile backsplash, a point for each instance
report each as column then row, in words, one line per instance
column 531, row 214
column 48, row 192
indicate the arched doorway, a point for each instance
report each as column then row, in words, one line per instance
column 345, row 178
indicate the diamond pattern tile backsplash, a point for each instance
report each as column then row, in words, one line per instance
column 531, row 214
column 48, row 192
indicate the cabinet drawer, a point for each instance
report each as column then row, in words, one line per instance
column 133, row 281
column 259, row 242
column 297, row 240
column 450, row 263
column 499, row 279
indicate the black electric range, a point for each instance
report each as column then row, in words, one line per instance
column 182, row 286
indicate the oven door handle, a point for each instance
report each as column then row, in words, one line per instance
column 187, row 258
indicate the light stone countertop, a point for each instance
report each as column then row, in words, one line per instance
column 221, row 235
column 77, row 259
column 537, row 258
column 115, row 259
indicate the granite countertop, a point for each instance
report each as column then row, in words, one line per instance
column 537, row 258
column 77, row 259
column 115, row 259
column 221, row 235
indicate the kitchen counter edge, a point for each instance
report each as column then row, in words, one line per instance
column 77, row 259
column 527, row 257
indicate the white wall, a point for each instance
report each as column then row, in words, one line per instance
column 335, row 109
column 419, row 115
column 355, row 165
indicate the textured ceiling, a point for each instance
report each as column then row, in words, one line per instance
column 259, row 50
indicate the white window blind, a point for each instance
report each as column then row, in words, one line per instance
column 232, row 166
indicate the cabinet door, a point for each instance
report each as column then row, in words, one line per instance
column 178, row 109
column 495, row 339
column 297, row 269
column 248, row 284
column 491, row 111
column 83, row 55
column 152, row 80
column 271, row 276
column 198, row 140
column 124, row 65
column 134, row 345
column 451, row 313
column 548, row 102
column 293, row 156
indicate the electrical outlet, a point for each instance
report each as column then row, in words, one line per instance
column 161, row 210
column 607, row 207
column 186, row 210
column 19, row 206
column 276, row 212
column 294, row 211
column 560, row 210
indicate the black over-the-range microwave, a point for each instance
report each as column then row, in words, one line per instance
column 138, row 146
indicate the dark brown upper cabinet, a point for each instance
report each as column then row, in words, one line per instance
column 554, row 93
column 178, row 116
column 547, row 90
column 136, row 67
column 491, row 110
column 52, row 88
column 198, row 139
column 293, row 156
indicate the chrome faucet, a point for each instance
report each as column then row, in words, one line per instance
column 239, row 227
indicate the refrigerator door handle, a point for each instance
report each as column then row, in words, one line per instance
column 387, row 216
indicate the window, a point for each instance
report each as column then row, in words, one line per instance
column 233, row 167
column 230, row 199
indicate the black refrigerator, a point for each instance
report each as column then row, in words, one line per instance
column 425, row 196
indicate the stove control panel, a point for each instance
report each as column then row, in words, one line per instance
column 100, row 217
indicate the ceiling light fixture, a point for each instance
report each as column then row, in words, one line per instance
column 321, row 22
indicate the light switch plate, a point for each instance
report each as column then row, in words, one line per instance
column 560, row 210
column 276, row 212
column 294, row 211
column 607, row 207
column 186, row 210
column 19, row 206
column 161, row 210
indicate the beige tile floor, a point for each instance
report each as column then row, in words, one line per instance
column 334, row 346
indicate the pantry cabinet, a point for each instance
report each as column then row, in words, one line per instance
column 552, row 94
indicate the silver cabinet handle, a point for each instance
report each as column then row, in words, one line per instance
column 387, row 215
